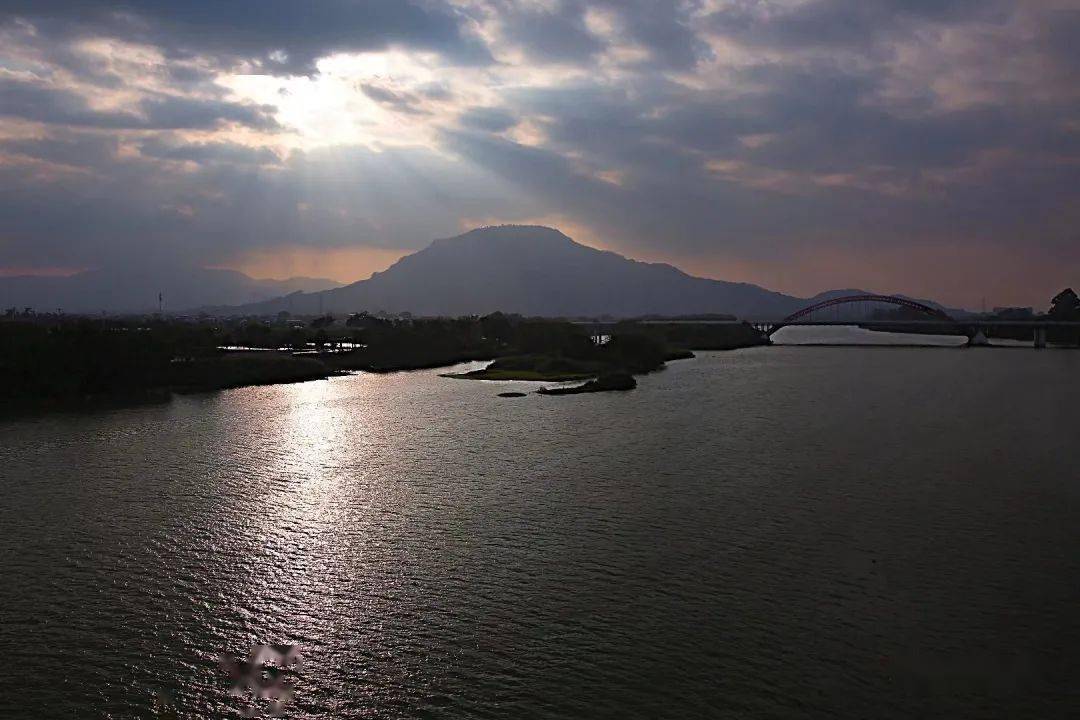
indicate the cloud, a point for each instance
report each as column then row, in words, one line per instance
column 280, row 36
column 72, row 149
column 400, row 101
column 576, row 32
column 756, row 133
column 553, row 34
column 30, row 100
column 490, row 119
column 209, row 152
column 134, row 208
column 844, row 24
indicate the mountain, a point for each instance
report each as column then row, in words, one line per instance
column 522, row 269
column 532, row 271
column 115, row 290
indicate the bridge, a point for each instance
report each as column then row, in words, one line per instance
column 932, row 320
column 806, row 315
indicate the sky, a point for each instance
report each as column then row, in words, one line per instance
column 930, row 147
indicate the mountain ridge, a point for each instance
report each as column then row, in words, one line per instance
column 524, row 269
column 115, row 290
column 531, row 270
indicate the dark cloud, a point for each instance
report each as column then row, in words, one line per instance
column 663, row 27
column 550, row 34
column 283, row 36
column 85, row 150
column 397, row 100
column 31, row 101
column 559, row 33
column 171, row 112
column 844, row 24
column 34, row 101
column 491, row 119
column 209, row 152
column 1060, row 36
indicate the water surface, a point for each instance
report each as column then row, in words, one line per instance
column 773, row 532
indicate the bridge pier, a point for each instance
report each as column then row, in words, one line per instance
column 1040, row 337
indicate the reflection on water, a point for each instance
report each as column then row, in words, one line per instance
column 851, row 335
column 775, row 532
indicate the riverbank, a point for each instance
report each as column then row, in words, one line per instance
column 185, row 376
column 387, row 362
column 62, row 361
column 242, row 369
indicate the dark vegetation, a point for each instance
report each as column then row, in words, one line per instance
column 572, row 355
column 535, row 367
column 51, row 359
column 1065, row 306
column 46, row 360
column 238, row 369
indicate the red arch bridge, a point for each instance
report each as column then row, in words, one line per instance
column 929, row 319
column 809, row 315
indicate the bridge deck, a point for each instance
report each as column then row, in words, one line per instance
column 930, row 323
column 863, row 323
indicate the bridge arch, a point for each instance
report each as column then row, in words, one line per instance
column 848, row 299
column 933, row 312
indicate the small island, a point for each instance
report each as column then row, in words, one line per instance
column 572, row 355
column 532, row 367
column 605, row 383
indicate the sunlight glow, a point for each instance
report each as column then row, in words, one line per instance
column 376, row 99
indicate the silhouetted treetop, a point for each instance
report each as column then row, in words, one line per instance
column 1065, row 305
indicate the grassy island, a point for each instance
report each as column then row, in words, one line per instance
column 533, row 367
column 608, row 366
column 574, row 356
column 605, row 383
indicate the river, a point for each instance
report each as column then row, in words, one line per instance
column 771, row 532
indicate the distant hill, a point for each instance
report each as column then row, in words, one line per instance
column 523, row 269
column 113, row 290
column 532, row 271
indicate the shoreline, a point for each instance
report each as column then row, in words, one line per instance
column 191, row 373
column 20, row 409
